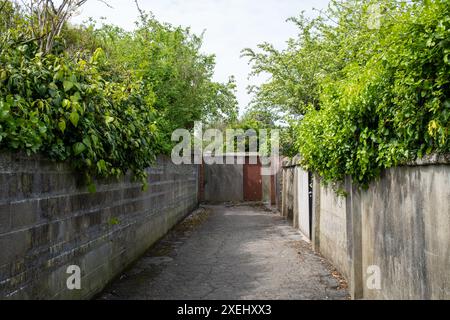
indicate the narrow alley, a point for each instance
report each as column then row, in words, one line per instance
column 230, row 252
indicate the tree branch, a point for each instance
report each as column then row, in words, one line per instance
column 141, row 12
column 3, row 5
column 106, row 4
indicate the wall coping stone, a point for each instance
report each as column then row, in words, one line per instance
column 427, row 160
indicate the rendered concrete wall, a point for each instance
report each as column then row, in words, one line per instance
column 295, row 195
column 266, row 189
column 303, row 201
column 48, row 221
column 399, row 226
column 279, row 190
column 406, row 233
column 333, row 229
column 224, row 183
column 397, row 231
column 288, row 185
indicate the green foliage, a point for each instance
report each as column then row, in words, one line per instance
column 104, row 99
column 252, row 123
column 168, row 59
column 383, row 93
column 67, row 110
column 295, row 74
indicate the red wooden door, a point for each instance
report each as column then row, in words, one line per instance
column 252, row 182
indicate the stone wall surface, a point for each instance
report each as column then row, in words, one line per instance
column 49, row 221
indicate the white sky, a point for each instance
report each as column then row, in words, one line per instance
column 230, row 25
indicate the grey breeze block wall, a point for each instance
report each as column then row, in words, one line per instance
column 49, row 221
column 401, row 225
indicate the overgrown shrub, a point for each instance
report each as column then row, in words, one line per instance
column 382, row 84
column 64, row 108
column 102, row 98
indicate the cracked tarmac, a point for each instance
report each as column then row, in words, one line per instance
column 229, row 253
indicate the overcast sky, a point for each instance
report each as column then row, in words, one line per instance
column 230, row 25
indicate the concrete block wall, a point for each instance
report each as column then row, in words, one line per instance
column 49, row 221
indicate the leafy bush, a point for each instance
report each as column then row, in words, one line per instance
column 64, row 108
column 104, row 99
column 169, row 61
column 383, row 91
